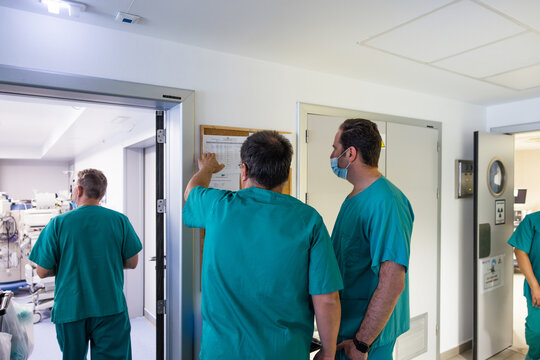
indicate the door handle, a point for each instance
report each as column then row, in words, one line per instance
column 153, row 258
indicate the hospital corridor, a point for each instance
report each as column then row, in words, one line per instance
column 189, row 180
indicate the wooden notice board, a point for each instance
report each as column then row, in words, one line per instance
column 226, row 142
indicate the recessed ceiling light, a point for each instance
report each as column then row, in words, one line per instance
column 56, row 6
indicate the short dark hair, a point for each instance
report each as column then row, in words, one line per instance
column 363, row 135
column 267, row 156
column 93, row 182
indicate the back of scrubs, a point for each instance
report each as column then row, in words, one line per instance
column 265, row 253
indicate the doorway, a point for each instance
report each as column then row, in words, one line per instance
column 178, row 105
column 401, row 163
column 526, row 201
column 526, row 196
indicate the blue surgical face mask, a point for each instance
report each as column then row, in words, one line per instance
column 342, row 173
column 73, row 205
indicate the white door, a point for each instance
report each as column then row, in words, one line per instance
column 150, row 233
column 412, row 165
column 493, row 226
column 325, row 192
column 409, row 160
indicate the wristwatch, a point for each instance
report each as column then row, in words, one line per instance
column 360, row 345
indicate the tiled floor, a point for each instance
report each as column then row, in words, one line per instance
column 508, row 354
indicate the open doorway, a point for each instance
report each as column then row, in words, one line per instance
column 45, row 142
column 527, row 201
column 173, row 108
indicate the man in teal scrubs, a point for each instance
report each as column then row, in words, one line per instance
column 526, row 240
column 268, row 263
column 87, row 249
column 371, row 238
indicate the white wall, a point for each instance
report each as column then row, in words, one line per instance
column 21, row 178
column 517, row 112
column 237, row 91
column 110, row 159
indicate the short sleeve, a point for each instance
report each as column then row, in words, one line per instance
column 131, row 244
column 390, row 237
column 324, row 275
column 522, row 236
column 45, row 252
column 199, row 204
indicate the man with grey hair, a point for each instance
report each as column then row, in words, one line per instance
column 87, row 250
column 268, row 263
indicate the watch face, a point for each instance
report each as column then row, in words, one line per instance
column 496, row 177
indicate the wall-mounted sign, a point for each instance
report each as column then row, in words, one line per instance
column 493, row 272
column 500, row 211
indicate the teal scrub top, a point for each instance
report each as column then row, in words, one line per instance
column 526, row 238
column 265, row 253
column 372, row 227
column 86, row 248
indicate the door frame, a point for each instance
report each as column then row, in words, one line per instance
column 305, row 109
column 178, row 105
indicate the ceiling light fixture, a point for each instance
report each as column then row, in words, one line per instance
column 73, row 8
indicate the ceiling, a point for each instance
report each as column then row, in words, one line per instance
column 479, row 51
column 527, row 140
column 47, row 129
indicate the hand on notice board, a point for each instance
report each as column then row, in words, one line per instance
column 208, row 162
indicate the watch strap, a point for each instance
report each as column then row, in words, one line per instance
column 360, row 345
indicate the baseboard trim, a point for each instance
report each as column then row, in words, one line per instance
column 456, row 351
column 150, row 317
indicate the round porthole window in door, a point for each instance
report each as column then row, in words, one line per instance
column 496, row 177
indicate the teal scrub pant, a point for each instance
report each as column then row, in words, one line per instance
column 384, row 352
column 532, row 332
column 109, row 338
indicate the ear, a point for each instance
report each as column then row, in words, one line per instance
column 80, row 192
column 352, row 154
column 243, row 173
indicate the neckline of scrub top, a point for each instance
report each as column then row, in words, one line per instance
column 365, row 190
column 263, row 191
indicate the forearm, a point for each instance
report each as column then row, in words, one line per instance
column 201, row 178
column 328, row 315
column 525, row 267
column 383, row 301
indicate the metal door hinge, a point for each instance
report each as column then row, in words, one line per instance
column 161, row 136
column 160, row 307
column 306, row 198
column 307, row 136
column 161, row 206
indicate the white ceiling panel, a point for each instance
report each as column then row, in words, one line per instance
column 522, row 79
column 451, row 30
column 503, row 56
column 524, row 11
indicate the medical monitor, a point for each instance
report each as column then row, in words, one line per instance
column 519, row 196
